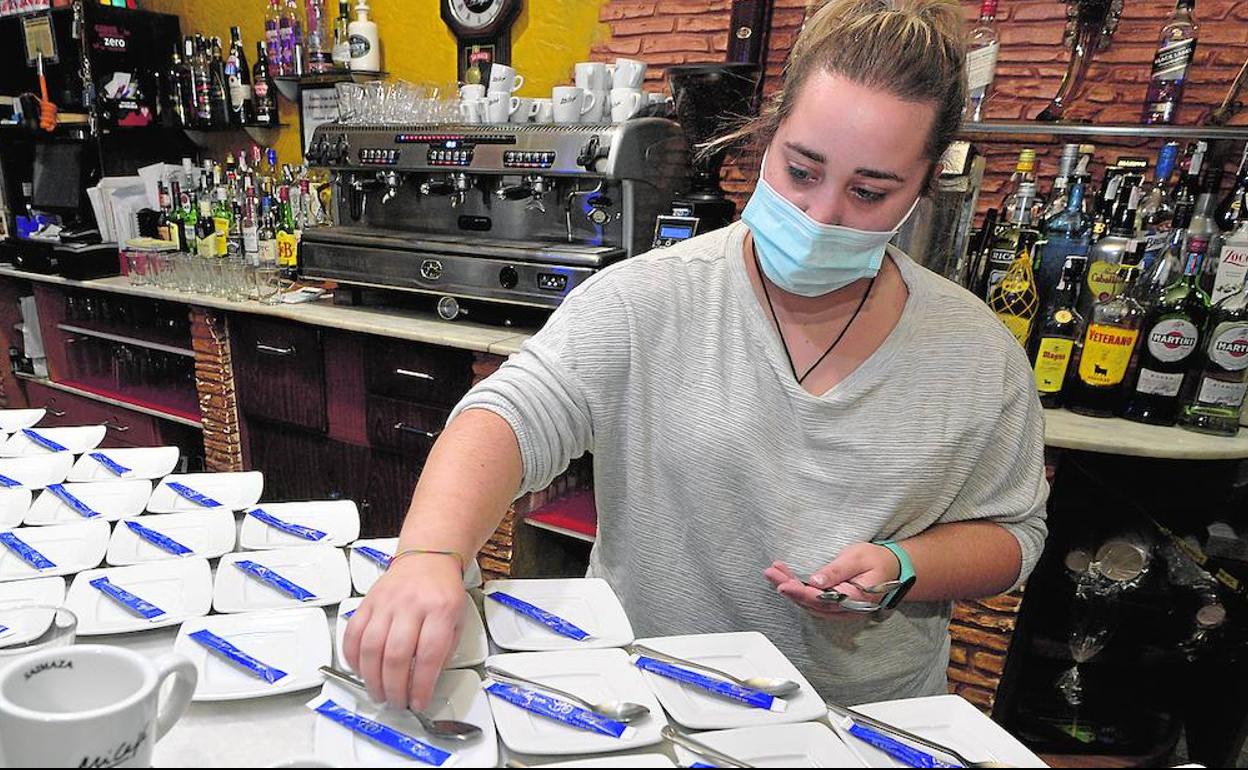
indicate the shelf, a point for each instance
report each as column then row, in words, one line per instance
column 1041, row 128
column 1067, row 430
column 260, row 134
column 113, row 400
column 289, row 85
column 125, row 340
column 574, row 516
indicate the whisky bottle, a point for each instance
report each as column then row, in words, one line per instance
column 1234, row 207
column 1113, row 330
column 1170, row 64
column 1060, row 328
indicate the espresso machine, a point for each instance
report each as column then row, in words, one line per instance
column 489, row 214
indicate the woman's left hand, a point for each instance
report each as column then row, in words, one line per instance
column 866, row 564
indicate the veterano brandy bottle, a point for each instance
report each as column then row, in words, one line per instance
column 1113, row 330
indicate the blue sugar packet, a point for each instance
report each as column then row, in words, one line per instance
column 307, row 533
column 108, row 462
column 224, row 649
column 729, row 690
column 192, row 495
column 559, row 710
column 902, row 752
column 381, row 557
column 143, row 609
column 43, row 441
column 348, row 615
column 266, row 575
column 8, row 483
column 161, row 541
column 701, row 764
column 384, row 735
column 550, row 620
column 4, row 630
column 28, row 554
column 73, row 502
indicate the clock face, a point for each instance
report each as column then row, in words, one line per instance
column 476, row 14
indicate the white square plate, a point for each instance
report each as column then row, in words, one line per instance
column 365, row 571
column 742, row 654
column 182, row 588
column 338, row 519
column 295, row 641
column 143, row 462
column 810, row 744
column 71, row 547
column 76, row 439
column 321, row 569
column 593, row 675
column 617, row 760
column 13, row 420
column 472, row 649
column 14, row 503
column 37, row 472
column 588, row 603
column 24, row 627
column 209, row 534
column 948, row 720
column 234, row 491
column 458, row 695
column 113, row 500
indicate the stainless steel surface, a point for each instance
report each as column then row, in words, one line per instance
column 777, row 688
column 679, row 737
column 446, row 729
column 620, row 711
column 1038, row 128
column 831, row 595
column 905, row 735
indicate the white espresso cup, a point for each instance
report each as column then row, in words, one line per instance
column 499, row 106
column 472, row 92
column 625, row 102
column 571, row 103
column 525, row 109
column 629, row 73
column 544, row 111
column 91, row 705
column 592, row 76
column 472, row 110
column 504, row 78
column 601, row 108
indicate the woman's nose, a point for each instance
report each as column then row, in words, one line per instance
column 826, row 209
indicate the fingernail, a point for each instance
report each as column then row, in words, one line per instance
column 819, row 580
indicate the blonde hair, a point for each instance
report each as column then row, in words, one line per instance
column 913, row 49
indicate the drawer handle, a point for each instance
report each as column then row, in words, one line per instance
column 415, row 375
column 273, row 351
column 54, row 412
column 405, row 428
column 119, row 427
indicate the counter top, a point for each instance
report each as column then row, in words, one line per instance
column 400, row 323
column 1067, row 430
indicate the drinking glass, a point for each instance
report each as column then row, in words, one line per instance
column 35, row 627
column 136, row 266
column 269, row 284
column 350, row 102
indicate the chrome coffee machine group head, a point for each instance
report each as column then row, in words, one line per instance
column 502, row 213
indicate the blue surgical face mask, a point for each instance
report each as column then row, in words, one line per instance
column 806, row 257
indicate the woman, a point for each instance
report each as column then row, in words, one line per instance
column 775, row 397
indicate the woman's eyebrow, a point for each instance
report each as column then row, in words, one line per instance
column 875, row 173
column 802, row 149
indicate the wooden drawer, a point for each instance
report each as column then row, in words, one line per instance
column 279, row 370
column 125, row 427
column 402, row 426
column 423, row 373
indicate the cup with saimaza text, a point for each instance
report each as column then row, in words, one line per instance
column 525, row 109
column 629, row 73
column 499, row 106
column 504, row 78
column 625, row 102
column 90, row 705
column 592, row 76
column 571, row 103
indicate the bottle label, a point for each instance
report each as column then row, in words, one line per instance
column 260, row 89
column 251, row 240
column 221, row 227
column 286, row 249
column 981, row 67
column 1106, row 353
column 1232, row 270
column 239, row 93
column 1019, row 326
column 1172, row 60
column 207, row 245
column 1052, row 359
column 268, row 252
column 1221, row 392
column 1159, row 383
column 1228, row 346
column 1173, row 340
column 1103, row 280
column 359, row 46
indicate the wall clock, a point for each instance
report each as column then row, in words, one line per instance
column 482, row 29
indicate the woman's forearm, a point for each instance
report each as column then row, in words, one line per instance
column 963, row 560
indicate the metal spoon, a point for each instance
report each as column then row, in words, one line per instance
column 681, row 738
column 906, row 735
column 620, row 711
column 777, row 688
column 448, row 729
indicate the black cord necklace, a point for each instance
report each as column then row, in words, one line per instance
column 762, row 277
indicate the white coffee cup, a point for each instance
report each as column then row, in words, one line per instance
column 592, row 76
column 499, row 106
column 544, row 111
column 91, row 705
column 570, row 103
column 601, row 108
column 629, row 73
column 472, row 110
column 525, row 109
column 472, row 91
column 625, row 102
column 504, row 78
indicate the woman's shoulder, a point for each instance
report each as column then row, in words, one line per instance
column 697, row 262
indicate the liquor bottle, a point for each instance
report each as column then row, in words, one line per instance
column 1060, row 328
column 273, row 37
column 287, row 243
column 1056, row 203
column 1015, row 299
column 186, row 84
column 190, row 218
column 177, row 232
column 205, row 231
column 1104, row 257
column 177, row 103
column 317, row 43
column 1168, row 266
column 1189, row 183
column 262, row 97
column 251, row 230
column 220, row 94
column 222, row 214
column 1156, row 210
column 1232, row 263
column 286, row 40
column 342, row 39
column 1111, row 186
column 981, row 58
column 1017, row 233
column 238, row 78
column 1066, row 234
column 1205, row 229
column 1174, row 56
column 977, row 255
column 365, row 44
column 202, row 77
column 1171, row 335
column 163, row 231
column 1234, row 206
column 1213, row 399
column 266, row 237
column 296, row 38
column 1113, row 329
column 1024, row 172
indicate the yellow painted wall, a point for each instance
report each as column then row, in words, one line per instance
column 547, row 39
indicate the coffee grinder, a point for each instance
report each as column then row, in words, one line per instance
column 709, row 99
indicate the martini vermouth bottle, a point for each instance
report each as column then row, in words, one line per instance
column 1212, row 399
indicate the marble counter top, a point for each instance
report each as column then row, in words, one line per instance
column 1067, row 430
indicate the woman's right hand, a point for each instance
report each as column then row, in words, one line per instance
column 406, row 629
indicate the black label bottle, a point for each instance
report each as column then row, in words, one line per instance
column 1170, row 64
